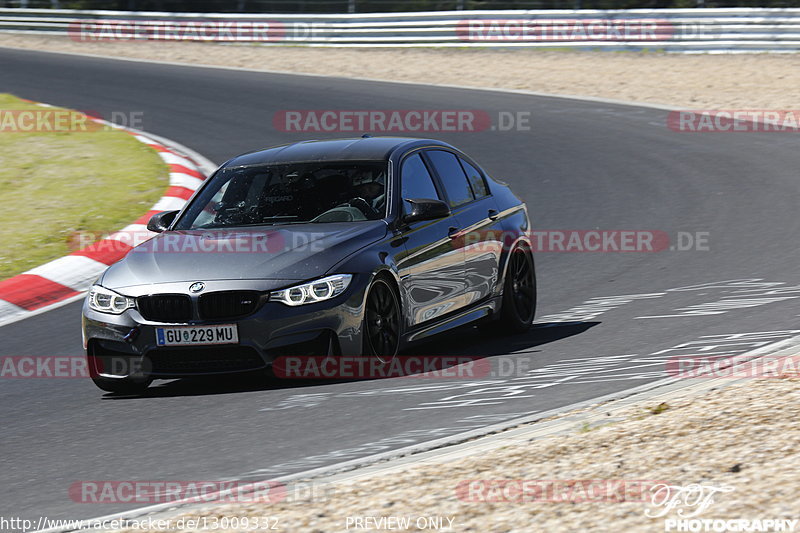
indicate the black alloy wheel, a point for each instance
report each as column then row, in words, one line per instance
column 382, row 322
column 519, row 293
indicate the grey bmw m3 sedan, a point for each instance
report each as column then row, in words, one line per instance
column 326, row 248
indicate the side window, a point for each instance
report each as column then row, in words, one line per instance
column 416, row 181
column 475, row 179
column 453, row 177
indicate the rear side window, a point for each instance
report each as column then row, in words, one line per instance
column 416, row 181
column 453, row 177
column 475, row 179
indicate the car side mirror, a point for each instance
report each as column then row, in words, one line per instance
column 425, row 209
column 161, row 221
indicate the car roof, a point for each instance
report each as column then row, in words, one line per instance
column 355, row 149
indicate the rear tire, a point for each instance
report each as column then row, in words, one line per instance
column 519, row 292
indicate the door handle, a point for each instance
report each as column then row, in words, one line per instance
column 493, row 214
column 453, row 232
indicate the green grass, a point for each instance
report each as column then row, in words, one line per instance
column 56, row 184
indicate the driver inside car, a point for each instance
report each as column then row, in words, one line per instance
column 372, row 190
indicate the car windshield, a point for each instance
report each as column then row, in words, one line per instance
column 290, row 193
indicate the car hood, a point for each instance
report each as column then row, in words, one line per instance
column 285, row 253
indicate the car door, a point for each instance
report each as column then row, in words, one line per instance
column 476, row 211
column 432, row 267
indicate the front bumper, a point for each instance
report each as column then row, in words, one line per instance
column 124, row 345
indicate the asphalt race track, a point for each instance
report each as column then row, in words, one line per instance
column 582, row 166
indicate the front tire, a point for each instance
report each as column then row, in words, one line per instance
column 382, row 322
column 519, row 292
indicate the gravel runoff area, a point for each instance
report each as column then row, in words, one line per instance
column 742, row 439
column 736, row 81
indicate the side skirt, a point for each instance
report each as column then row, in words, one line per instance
column 473, row 313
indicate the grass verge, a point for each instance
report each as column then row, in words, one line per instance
column 56, row 184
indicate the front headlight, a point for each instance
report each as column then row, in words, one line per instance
column 107, row 301
column 313, row 291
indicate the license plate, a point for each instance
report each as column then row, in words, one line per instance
column 197, row 335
